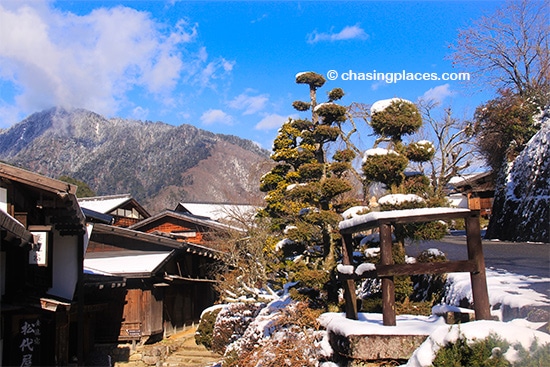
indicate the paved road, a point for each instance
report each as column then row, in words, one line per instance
column 529, row 259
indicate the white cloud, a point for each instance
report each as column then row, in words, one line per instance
column 349, row 32
column 272, row 121
column 140, row 113
column 438, row 94
column 213, row 116
column 54, row 58
column 250, row 104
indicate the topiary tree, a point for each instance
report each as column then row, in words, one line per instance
column 305, row 188
column 392, row 120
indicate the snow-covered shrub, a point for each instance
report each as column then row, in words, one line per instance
column 486, row 352
column 232, row 322
column 387, row 168
column 492, row 351
column 205, row 329
column 399, row 118
column 285, row 333
column 421, row 151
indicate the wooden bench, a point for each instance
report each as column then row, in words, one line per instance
column 386, row 269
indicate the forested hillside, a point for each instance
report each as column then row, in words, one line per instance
column 159, row 164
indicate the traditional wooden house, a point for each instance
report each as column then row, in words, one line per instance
column 125, row 210
column 42, row 243
column 168, row 283
column 185, row 227
column 479, row 189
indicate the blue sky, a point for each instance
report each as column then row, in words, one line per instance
column 224, row 66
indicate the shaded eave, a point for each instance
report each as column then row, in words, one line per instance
column 15, row 229
column 62, row 190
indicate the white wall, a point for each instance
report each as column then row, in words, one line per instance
column 65, row 269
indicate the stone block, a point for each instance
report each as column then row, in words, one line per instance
column 376, row 347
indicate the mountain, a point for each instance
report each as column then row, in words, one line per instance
column 159, row 164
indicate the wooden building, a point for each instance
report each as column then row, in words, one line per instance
column 168, row 283
column 479, row 190
column 185, row 227
column 124, row 209
column 42, row 242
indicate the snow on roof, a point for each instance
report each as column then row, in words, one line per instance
column 384, row 103
column 218, row 211
column 126, row 265
column 373, row 216
column 104, row 204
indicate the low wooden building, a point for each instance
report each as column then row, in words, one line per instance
column 479, row 190
column 42, row 242
column 168, row 283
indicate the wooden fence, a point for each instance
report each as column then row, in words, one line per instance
column 386, row 269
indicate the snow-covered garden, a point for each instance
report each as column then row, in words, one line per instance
column 268, row 331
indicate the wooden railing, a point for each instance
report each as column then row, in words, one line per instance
column 386, row 269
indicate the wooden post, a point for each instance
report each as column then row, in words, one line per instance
column 388, row 286
column 349, row 284
column 478, row 279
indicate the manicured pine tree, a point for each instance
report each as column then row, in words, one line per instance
column 392, row 120
column 305, row 187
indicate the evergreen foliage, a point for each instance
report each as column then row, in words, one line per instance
column 503, row 126
column 392, row 123
column 83, row 191
column 489, row 352
column 398, row 119
column 305, row 189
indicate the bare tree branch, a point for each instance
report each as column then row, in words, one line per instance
column 510, row 48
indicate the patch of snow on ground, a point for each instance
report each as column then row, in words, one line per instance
column 435, row 252
column 503, row 288
column 371, row 324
